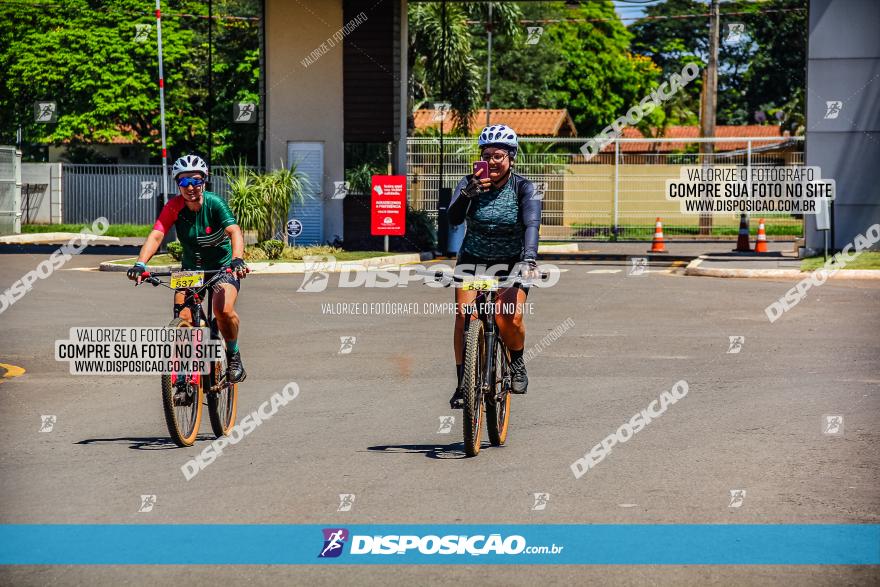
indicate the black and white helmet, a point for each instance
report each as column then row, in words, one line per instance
column 189, row 163
column 499, row 135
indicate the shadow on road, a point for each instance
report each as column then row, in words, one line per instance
column 432, row 451
column 145, row 443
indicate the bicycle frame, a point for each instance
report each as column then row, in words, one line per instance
column 486, row 300
column 193, row 298
column 184, row 392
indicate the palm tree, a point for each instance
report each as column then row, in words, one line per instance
column 428, row 57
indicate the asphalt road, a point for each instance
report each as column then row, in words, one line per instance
column 366, row 422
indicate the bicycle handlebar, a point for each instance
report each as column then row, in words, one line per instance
column 440, row 276
column 153, row 278
column 205, row 271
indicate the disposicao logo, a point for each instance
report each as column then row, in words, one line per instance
column 334, row 540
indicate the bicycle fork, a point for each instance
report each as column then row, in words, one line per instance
column 491, row 334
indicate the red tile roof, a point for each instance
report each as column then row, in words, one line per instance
column 526, row 122
column 688, row 132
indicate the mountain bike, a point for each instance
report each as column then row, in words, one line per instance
column 184, row 393
column 487, row 378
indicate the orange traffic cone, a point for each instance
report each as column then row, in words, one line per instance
column 742, row 241
column 761, row 243
column 657, row 245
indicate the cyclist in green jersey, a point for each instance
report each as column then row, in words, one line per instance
column 211, row 240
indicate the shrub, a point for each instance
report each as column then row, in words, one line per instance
column 261, row 202
column 297, row 253
column 255, row 254
column 272, row 248
column 420, row 229
column 175, row 249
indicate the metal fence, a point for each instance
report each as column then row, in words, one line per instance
column 124, row 194
column 10, row 190
column 619, row 192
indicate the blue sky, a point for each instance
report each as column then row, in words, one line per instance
column 632, row 9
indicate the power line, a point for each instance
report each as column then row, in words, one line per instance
column 674, row 16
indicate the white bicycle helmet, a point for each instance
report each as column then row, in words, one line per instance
column 499, row 135
column 189, row 163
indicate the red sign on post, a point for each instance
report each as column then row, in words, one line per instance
column 388, row 205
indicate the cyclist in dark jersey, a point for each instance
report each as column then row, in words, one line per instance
column 503, row 215
column 211, row 240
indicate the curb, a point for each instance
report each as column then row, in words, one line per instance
column 264, row 267
column 564, row 248
column 55, row 238
column 693, row 269
column 47, row 249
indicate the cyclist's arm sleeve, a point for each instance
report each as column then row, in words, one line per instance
column 458, row 207
column 168, row 215
column 531, row 214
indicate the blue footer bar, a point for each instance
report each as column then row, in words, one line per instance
column 193, row 544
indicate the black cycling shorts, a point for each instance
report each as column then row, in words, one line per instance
column 231, row 279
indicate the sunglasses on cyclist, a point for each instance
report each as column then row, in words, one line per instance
column 496, row 157
column 190, row 181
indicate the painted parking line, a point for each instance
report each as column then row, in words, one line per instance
column 605, row 271
column 9, row 371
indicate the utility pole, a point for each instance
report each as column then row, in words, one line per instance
column 489, row 69
column 709, row 102
column 444, row 196
column 261, row 121
column 210, row 82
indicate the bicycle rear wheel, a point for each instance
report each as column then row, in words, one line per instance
column 498, row 402
column 182, row 400
column 222, row 403
column 472, row 389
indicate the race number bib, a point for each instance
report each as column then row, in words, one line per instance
column 484, row 284
column 182, row 279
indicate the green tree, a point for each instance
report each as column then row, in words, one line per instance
column 672, row 43
column 523, row 73
column 762, row 71
column 775, row 78
column 601, row 79
column 432, row 60
column 84, row 55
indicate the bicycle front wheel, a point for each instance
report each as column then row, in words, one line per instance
column 472, row 387
column 182, row 400
column 222, row 395
column 498, row 402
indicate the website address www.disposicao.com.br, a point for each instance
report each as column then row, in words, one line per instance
column 338, row 541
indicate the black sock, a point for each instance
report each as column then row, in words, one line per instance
column 459, row 370
column 516, row 356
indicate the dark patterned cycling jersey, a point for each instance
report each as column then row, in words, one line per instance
column 202, row 234
column 501, row 223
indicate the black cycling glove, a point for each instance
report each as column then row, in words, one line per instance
column 136, row 270
column 473, row 188
column 238, row 266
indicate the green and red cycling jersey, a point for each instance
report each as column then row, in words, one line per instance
column 202, row 234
